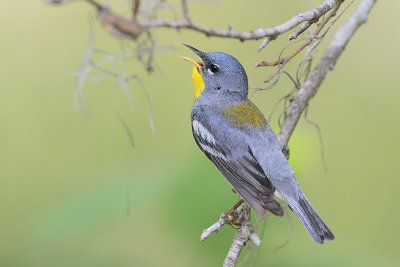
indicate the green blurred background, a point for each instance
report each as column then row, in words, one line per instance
column 74, row 192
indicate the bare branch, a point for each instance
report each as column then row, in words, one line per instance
column 308, row 23
column 300, row 30
column 242, row 236
column 327, row 63
column 264, row 43
column 311, row 15
column 215, row 227
column 232, row 217
column 117, row 24
column 282, row 61
column 238, row 217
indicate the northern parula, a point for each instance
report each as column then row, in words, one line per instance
column 237, row 138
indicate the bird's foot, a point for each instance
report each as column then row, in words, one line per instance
column 234, row 217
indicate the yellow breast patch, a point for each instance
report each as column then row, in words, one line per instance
column 245, row 114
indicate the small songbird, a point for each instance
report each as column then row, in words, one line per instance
column 237, row 138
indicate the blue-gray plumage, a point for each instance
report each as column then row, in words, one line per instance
column 237, row 138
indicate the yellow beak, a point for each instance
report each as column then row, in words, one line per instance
column 197, row 64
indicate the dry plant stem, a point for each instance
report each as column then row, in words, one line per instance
column 215, row 227
column 118, row 26
column 242, row 236
column 239, row 215
column 307, row 18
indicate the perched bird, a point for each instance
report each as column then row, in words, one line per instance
column 237, row 138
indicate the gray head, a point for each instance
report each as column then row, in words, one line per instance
column 222, row 73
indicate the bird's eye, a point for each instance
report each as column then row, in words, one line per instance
column 214, row 68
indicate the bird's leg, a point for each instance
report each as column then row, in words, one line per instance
column 238, row 204
column 234, row 219
column 237, row 217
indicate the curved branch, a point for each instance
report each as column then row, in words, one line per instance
column 327, row 63
column 132, row 28
column 310, row 16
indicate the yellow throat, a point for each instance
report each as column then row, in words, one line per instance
column 198, row 82
column 197, row 79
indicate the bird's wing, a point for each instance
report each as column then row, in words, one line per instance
column 244, row 173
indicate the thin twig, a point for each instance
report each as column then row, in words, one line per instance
column 215, row 227
column 282, row 61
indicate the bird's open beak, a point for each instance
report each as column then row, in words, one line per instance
column 199, row 65
column 196, row 51
column 200, row 54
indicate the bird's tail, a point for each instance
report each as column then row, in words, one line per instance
column 314, row 224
